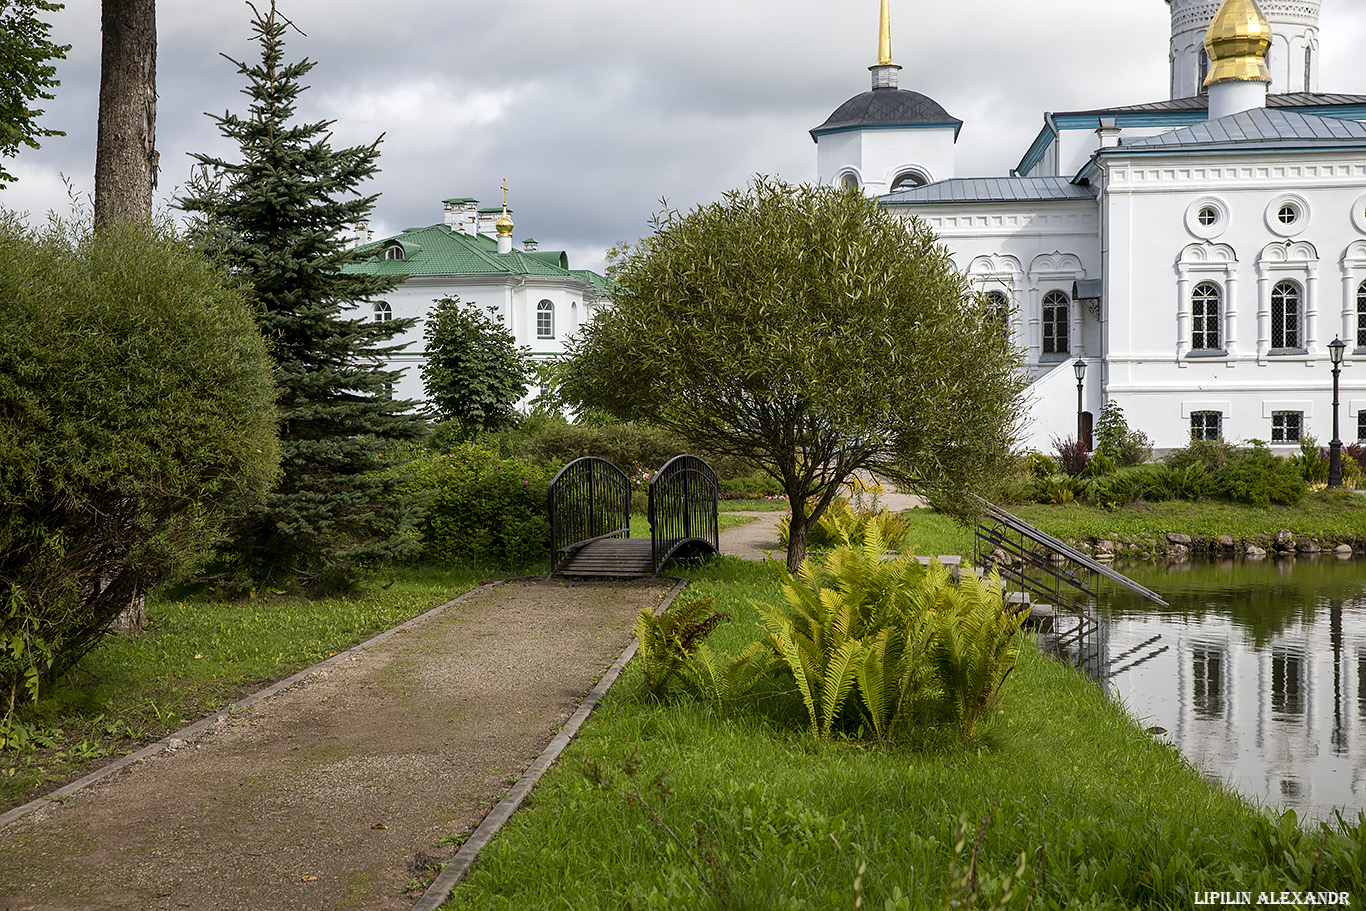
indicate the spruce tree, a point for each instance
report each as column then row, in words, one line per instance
column 278, row 218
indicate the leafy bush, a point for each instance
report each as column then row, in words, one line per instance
column 1212, row 455
column 1099, row 465
column 630, row 446
column 750, row 487
column 481, row 507
column 1040, row 465
column 1056, row 489
column 1312, row 462
column 1126, row 447
column 1256, row 476
column 1072, row 455
column 137, row 415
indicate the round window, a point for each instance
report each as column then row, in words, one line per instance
column 1208, row 216
column 1287, row 214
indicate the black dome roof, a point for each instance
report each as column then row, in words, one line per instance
column 887, row 108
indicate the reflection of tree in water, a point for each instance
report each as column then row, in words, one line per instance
column 1263, row 598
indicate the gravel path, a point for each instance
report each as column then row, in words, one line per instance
column 338, row 791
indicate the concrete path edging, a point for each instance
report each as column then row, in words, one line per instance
column 199, row 727
column 458, row 866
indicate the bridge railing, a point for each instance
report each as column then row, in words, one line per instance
column 590, row 499
column 1035, row 562
column 684, row 510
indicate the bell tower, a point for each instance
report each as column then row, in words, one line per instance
column 1293, row 61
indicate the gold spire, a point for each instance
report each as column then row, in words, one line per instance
column 1237, row 41
column 884, row 37
column 504, row 223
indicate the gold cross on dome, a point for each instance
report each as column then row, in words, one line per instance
column 505, row 193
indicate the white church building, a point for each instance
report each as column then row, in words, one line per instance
column 1198, row 254
column 471, row 255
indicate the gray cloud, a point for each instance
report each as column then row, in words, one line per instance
column 593, row 110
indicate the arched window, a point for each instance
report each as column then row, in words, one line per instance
column 394, row 252
column 1057, row 320
column 545, row 320
column 909, row 180
column 1308, row 66
column 999, row 304
column 382, row 312
column 1205, row 317
column 1361, row 315
column 1285, row 315
column 1202, row 72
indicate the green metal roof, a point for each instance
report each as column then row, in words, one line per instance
column 437, row 250
column 457, row 202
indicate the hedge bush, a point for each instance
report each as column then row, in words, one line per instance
column 482, row 507
column 137, row 413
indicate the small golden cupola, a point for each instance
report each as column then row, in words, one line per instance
column 504, row 225
column 1238, row 41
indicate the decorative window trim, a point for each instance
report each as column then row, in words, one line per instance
column 845, row 175
column 1204, row 293
column 1060, row 298
column 381, row 312
column 1273, row 216
column 545, row 319
column 919, row 175
column 1291, row 344
column 1217, row 227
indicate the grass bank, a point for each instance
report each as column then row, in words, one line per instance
column 1061, row 790
column 1327, row 517
column 198, row 656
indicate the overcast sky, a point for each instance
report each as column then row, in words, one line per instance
column 594, row 110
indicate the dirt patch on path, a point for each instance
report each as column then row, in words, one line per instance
column 323, row 795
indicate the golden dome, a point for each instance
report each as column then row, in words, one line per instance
column 504, row 223
column 1237, row 41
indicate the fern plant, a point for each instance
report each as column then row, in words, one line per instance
column 668, row 639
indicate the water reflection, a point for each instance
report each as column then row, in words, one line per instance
column 1257, row 671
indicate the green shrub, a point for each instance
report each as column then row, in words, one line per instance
column 667, row 640
column 1056, row 489
column 137, row 415
column 1126, row 447
column 1039, row 465
column 482, row 508
column 1100, row 465
column 1212, row 455
column 1312, row 462
column 1256, row 476
column 749, row 487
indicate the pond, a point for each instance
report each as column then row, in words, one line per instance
column 1256, row 671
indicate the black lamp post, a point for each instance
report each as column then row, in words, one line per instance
column 1336, row 348
column 1079, row 368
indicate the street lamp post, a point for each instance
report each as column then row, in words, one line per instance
column 1336, row 348
column 1079, row 368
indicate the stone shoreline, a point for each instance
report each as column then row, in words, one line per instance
column 1178, row 547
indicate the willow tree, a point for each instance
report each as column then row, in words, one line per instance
column 808, row 332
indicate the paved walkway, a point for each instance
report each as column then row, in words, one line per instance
column 342, row 789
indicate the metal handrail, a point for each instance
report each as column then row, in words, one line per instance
column 684, row 509
column 588, row 500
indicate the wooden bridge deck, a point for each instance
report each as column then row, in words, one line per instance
column 610, row 558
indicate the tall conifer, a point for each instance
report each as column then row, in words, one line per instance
column 279, row 218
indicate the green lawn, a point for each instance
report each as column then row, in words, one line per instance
column 1104, row 815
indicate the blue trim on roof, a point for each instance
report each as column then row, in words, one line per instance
column 957, row 126
column 1223, row 149
column 1039, row 148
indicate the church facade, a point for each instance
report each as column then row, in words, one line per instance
column 1197, row 254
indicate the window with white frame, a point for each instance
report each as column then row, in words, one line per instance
column 1361, row 428
column 382, row 312
column 999, row 305
column 1286, row 308
column 1361, row 315
column 1207, row 425
column 395, row 252
column 1057, row 323
column 1287, row 426
column 545, row 320
column 1205, row 316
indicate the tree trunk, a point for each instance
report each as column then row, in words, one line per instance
column 125, row 150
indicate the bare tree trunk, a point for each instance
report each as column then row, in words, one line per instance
column 125, row 151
